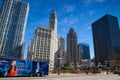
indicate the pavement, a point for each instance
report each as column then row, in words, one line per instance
column 68, row 76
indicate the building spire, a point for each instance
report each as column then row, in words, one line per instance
column 53, row 11
column 53, row 21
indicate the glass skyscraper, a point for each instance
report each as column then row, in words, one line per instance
column 13, row 19
column 84, row 50
column 106, row 37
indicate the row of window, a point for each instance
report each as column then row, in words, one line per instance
column 43, row 30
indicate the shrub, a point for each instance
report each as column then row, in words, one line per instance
column 66, row 68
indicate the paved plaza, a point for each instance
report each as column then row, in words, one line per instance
column 69, row 77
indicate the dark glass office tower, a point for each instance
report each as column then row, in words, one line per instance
column 73, row 52
column 13, row 19
column 84, row 49
column 106, row 37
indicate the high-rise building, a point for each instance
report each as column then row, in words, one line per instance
column 85, row 52
column 54, row 39
column 106, row 37
column 42, row 40
column 53, row 22
column 79, row 55
column 13, row 19
column 30, row 50
column 73, row 51
column 64, row 58
column 59, row 56
column 45, row 42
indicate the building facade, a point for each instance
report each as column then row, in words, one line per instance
column 64, row 58
column 106, row 37
column 87, row 63
column 53, row 22
column 85, row 52
column 54, row 39
column 73, row 51
column 13, row 19
column 30, row 50
column 42, row 40
column 80, row 55
column 45, row 42
column 59, row 56
column 114, row 60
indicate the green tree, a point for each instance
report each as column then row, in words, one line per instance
column 66, row 68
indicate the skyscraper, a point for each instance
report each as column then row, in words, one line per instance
column 30, row 50
column 13, row 19
column 59, row 56
column 54, row 39
column 45, row 42
column 73, row 51
column 106, row 37
column 42, row 40
column 85, row 52
column 53, row 22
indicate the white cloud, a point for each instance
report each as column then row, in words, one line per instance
column 91, row 12
column 68, row 21
column 69, row 8
column 100, row 0
column 88, row 28
column 85, row 25
column 88, row 2
column 82, row 15
column 63, row 21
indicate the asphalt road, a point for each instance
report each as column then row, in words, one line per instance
column 69, row 77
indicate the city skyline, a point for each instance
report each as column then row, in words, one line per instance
column 76, row 14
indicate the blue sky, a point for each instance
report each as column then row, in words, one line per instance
column 77, row 14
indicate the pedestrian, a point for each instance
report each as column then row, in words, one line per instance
column 58, row 71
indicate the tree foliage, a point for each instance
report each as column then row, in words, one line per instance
column 66, row 68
